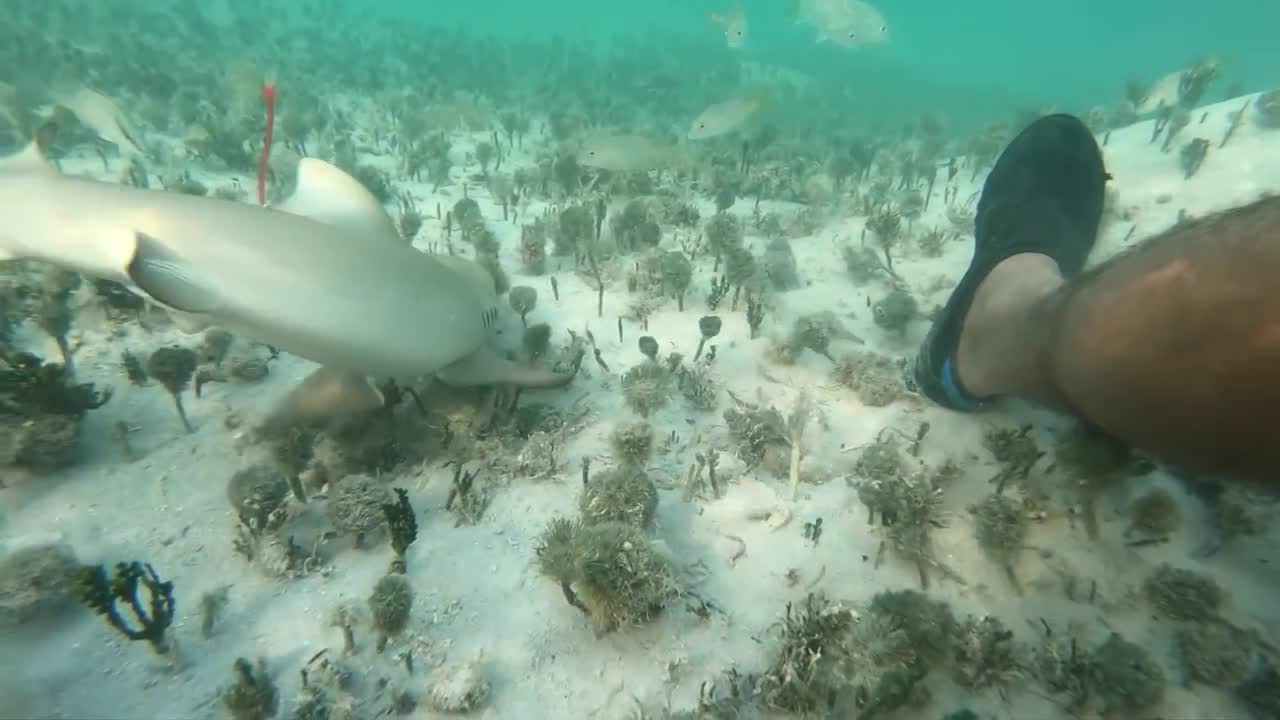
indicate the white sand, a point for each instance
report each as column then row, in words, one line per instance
column 480, row 596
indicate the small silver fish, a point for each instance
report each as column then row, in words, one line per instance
column 846, row 23
column 724, row 117
column 735, row 27
column 624, row 153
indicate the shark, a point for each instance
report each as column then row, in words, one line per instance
column 324, row 275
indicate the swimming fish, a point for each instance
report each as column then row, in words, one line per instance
column 846, row 23
column 324, row 275
column 724, row 117
column 100, row 114
column 625, row 153
column 735, row 27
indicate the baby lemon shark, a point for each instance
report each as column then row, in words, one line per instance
column 324, row 275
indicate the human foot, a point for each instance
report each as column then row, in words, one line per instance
column 1043, row 197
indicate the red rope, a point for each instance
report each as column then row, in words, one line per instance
column 269, row 95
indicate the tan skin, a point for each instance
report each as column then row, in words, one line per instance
column 1173, row 347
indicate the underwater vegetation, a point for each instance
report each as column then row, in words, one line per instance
column 41, row 411
column 116, row 598
column 609, row 570
column 482, row 149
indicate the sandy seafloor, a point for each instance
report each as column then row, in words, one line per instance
column 479, row 594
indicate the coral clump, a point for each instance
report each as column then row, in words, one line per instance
column 35, row 582
column 457, row 688
column 837, row 662
column 1217, row 653
column 41, row 411
column 876, row 378
column 389, row 606
column 625, row 494
column 1002, row 526
column 610, row 571
column 355, row 505
column 647, row 387
column 1183, row 594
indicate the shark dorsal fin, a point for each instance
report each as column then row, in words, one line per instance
column 331, row 196
column 29, row 159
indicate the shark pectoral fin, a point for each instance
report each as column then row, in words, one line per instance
column 168, row 280
column 486, row 367
column 324, row 394
column 328, row 195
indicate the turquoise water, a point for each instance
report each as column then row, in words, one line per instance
column 1003, row 54
column 842, row 212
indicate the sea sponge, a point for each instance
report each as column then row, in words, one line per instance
column 739, row 268
column 759, row 433
column 1184, row 594
column 1217, row 652
column 1156, row 514
column 624, row 494
column 881, row 460
column 1125, row 677
column 258, row 494
column 574, row 230
column 355, row 505
column 43, row 443
column 647, row 387
column 389, row 607
column 986, row 654
column 929, row 623
column 253, row 695
column 622, row 579
column 836, row 662
column 558, row 550
column 677, row 273
column 535, row 341
column 626, row 224
column 466, row 211
column 632, row 442
column 173, row 367
column 698, row 386
column 35, row 583
column 1002, row 526
column 724, row 232
column 896, row 310
column 780, row 265
column 457, row 688
column 877, row 379
column 533, row 248
column 523, row 300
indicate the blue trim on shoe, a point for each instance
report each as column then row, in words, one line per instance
column 957, row 398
